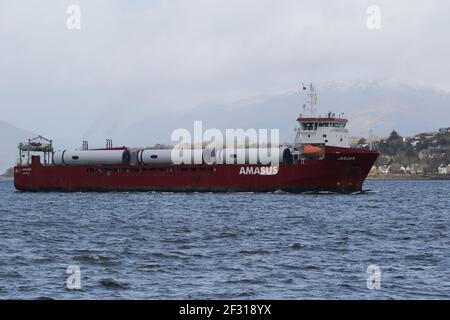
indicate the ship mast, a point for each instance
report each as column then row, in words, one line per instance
column 312, row 98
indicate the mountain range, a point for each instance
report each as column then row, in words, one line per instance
column 374, row 106
column 370, row 106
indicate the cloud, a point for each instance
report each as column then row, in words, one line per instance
column 140, row 58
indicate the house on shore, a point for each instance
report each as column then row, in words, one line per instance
column 384, row 169
column 444, row 169
column 417, row 169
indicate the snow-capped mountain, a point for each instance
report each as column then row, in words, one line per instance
column 377, row 106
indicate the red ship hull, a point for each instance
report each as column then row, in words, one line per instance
column 341, row 170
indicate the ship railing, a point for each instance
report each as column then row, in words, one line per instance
column 38, row 144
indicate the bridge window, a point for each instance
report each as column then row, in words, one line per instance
column 339, row 125
column 308, row 125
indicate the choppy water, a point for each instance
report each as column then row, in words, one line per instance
column 227, row 246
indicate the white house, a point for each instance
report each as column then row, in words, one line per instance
column 384, row 169
column 416, row 169
column 443, row 169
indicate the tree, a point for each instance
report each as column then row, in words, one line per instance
column 394, row 137
column 395, row 168
column 444, row 141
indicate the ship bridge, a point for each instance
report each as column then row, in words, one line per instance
column 329, row 131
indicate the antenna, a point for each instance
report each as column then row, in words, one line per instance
column 312, row 97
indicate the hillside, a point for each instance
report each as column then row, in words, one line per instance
column 368, row 105
column 421, row 154
column 380, row 106
column 8, row 174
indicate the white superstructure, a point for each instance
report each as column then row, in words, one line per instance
column 329, row 131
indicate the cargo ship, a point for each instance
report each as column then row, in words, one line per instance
column 320, row 159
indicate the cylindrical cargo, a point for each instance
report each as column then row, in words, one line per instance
column 172, row 156
column 209, row 156
column 165, row 156
column 91, row 157
column 58, row 157
column 153, row 156
column 232, row 156
column 196, row 156
column 252, row 155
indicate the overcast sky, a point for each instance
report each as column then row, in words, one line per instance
column 135, row 58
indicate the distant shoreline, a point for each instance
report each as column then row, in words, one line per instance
column 408, row 177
